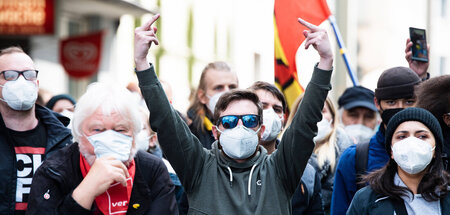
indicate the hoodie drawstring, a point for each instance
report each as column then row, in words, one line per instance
column 231, row 176
column 250, row 180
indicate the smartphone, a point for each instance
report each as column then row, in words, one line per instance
column 419, row 47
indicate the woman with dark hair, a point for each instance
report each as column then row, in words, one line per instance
column 414, row 180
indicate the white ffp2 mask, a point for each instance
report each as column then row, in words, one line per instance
column 239, row 142
column 213, row 101
column 111, row 143
column 412, row 154
column 273, row 125
column 359, row 133
column 323, row 129
column 20, row 94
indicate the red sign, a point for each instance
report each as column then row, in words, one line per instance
column 25, row 17
column 80, row 55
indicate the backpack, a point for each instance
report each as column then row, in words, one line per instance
column 361, row 157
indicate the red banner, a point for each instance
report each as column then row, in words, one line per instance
column 80, row 56
column 26, row 17
column 288, row 37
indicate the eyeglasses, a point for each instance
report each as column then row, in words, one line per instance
column 230, row 121
column 12, row 75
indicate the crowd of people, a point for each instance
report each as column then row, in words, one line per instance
column 236, row 151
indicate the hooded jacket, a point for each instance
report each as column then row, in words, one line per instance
column 215, row 184
column 58, row 136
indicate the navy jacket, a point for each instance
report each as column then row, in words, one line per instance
column 366, row 201
column 153, row 192
column 57, row 137
column 307, row 199
column 345, row 176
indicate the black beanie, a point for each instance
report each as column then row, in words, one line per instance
column 56, row 98
column 396, row 83
column 414, row 114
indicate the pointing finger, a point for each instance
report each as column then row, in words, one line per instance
column 307, row 24
column 148, row 24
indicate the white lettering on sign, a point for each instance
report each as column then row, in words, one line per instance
column 22, row 189
column 27, row 164
column 119, row 204
column 26, row 160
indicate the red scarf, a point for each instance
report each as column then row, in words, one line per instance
column 117, row 198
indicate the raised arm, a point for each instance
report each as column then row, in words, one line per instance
column 182, row 149
column 297, row 143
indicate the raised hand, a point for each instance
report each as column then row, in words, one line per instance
column 144, row 36
column 103, row 173
column 318, row 38
column 419, row 67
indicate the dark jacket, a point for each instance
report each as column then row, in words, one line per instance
column 57, row 137
column 446, row 148
column 366, row 201
column 307, row 199
column 59, row 175
column 215, row 184
column 204, row 135
column 345, row 176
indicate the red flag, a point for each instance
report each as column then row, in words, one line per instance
column 80, row 55
column 288, row 37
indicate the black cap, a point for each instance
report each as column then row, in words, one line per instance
column 56, row 98
column 396, row 83
column 357, row 97
column 413, row 114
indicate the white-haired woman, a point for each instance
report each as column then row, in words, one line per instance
column 102, row 172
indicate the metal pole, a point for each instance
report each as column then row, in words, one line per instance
column 342, row 50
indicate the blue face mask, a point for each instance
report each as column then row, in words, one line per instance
column 111, row 143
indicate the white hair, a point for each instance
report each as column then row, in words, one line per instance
column 109, row 98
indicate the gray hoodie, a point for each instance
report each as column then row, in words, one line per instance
column 215, row 184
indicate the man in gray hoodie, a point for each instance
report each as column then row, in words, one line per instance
column 236, row 176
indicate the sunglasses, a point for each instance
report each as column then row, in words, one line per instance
column 12, row 75
column 230, row 121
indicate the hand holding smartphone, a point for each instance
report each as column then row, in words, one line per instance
column 419, row 47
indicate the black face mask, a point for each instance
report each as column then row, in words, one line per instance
column 388, row 114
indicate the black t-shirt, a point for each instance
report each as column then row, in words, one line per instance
column 30, row 149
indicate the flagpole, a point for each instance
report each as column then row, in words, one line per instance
column 342, row 50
